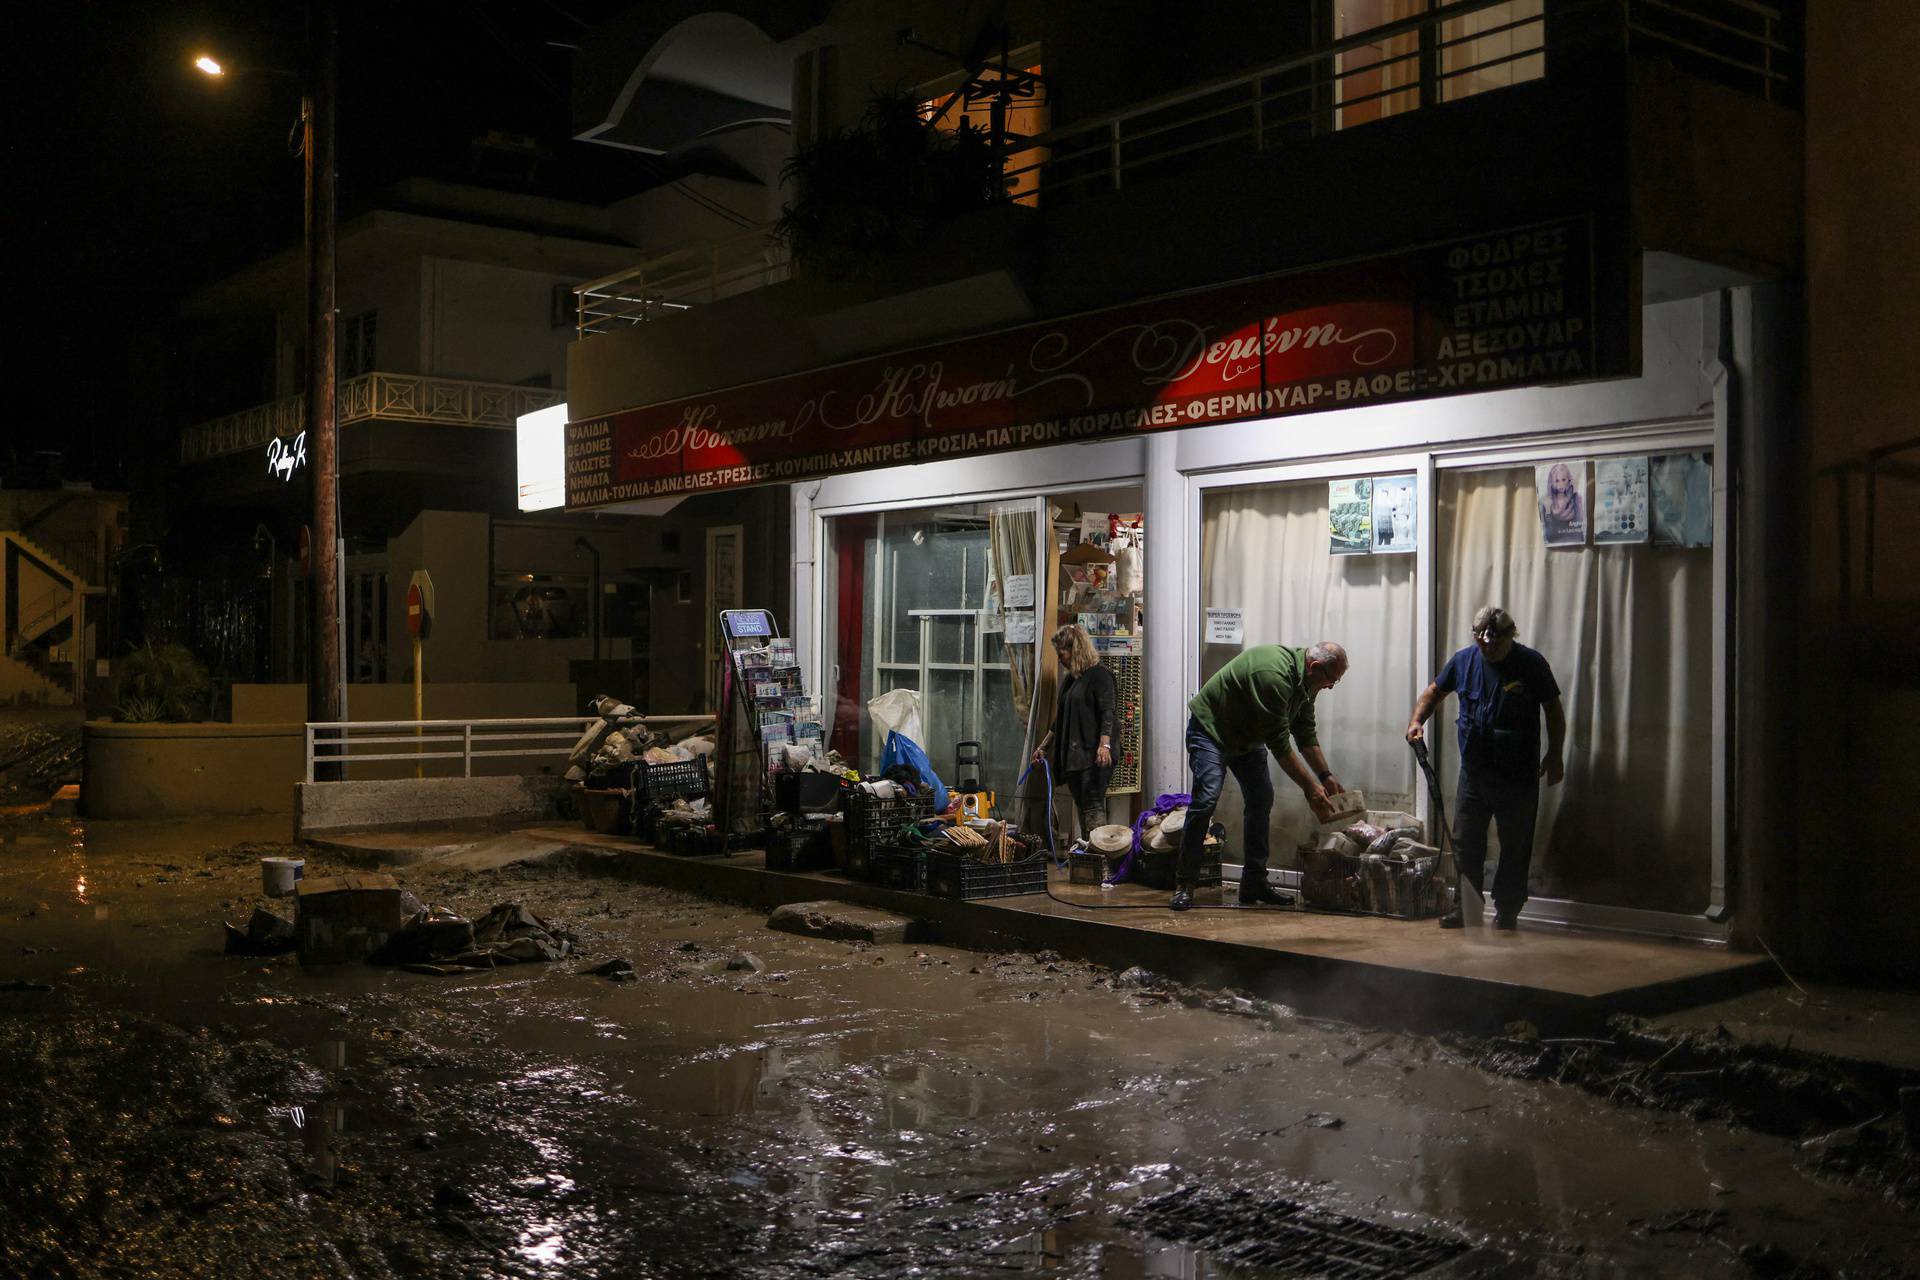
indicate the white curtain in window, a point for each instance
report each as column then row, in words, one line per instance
column 1264, row 551
column 1628, row 629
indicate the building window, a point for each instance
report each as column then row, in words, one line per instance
column 1491, row 49
column 1434, row 61
column 1023, row 95
column 357, row 340
column 539, row 606
column 563, row 310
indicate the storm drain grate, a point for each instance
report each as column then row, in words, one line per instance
column 1287, row 1238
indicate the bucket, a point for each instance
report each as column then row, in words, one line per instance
column 278, row 876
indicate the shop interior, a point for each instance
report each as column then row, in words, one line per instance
column 957, row 600
column 1605, row 562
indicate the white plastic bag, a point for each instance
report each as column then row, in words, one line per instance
column 1388, row 819
column 897, row 710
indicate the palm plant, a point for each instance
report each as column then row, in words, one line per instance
column 160, row 682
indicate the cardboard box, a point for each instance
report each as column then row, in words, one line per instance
column 345, row 919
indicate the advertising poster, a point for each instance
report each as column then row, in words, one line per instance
column 1094, row 528
column 1349, row 517
column 1682, row 485
column 1394, row 529
column 1620, row 500
column 1562, row 491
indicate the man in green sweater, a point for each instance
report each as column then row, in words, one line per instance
column 1261, row 701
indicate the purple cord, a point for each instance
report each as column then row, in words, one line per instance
column 1165, row 804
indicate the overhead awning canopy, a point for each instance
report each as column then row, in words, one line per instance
column 700, row 70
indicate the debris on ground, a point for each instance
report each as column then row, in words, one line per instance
column 266, row 934
column 617, row 967
column 22, row 984
column 345, row 919
column 1845, row 1114
column 36, row 759
column 437, row 940
column 746, row 962
column 430, row 932
column 843, row 921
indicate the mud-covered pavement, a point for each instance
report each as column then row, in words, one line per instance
column 848, row 1110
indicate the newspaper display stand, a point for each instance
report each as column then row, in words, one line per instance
column 764, row 711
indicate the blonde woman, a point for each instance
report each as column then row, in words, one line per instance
column 1079, row 746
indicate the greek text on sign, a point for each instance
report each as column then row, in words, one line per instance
column 1226, row 626
column 1512, row 309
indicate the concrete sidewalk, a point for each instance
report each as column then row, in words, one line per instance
column 1360, row 968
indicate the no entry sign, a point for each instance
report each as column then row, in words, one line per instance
column 420, row 604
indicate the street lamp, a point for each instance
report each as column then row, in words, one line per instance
column 326, row 682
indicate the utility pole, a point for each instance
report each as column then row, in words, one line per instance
column 326, row 683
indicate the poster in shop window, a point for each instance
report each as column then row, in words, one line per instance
column 1394, row 529
column 1620, row 500
column 1561, row 488
column 1682, row 498
column 1350, row 517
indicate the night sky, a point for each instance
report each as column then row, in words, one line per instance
column 132, row 180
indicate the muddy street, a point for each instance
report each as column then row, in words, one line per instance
column 757, row 1103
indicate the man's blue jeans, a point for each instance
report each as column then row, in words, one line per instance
column 1487, row 797
column 1210, row 766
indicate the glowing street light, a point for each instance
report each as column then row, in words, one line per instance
column 326, row 684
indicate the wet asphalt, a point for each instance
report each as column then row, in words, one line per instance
column 848, row 1110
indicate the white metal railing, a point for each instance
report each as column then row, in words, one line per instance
column 343, row 743
column 676, row 281
column 386, row 397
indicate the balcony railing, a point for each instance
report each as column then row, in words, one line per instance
column 676, row 281
column 1452, row 51
column 381, row 397
column 1426, row 59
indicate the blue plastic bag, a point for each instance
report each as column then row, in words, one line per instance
column 901, row 749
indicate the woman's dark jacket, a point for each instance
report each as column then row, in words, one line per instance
column 1083, row 715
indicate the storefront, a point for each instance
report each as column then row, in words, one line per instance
column 1357, row 453
column 1383, row 528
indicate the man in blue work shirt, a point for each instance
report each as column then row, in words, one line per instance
column 1504, row 690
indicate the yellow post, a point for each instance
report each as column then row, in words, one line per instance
column 418, row 704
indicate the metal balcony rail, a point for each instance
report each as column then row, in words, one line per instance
column 1418, row 62
column 389, row 397
column 44, row 613
column 676, row 281
column 346, row 743
column 1898, row 463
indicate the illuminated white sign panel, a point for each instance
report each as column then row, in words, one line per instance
column 284, row 457
column 540, row 440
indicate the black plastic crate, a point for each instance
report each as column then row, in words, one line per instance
column 1157, row 868
column 801, row 848
column 662, row 784
column 806, row 792
column 701, row 843
column 1088, row 868
column 898, row 867
column 873, row 823
column 954, row 876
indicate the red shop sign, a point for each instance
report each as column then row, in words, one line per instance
column 1504, row 310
